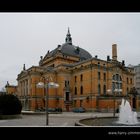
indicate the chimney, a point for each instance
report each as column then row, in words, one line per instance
column 96, row 56
column 114, row 52
column 108, row 58
column 24, row 68
column 59, row 46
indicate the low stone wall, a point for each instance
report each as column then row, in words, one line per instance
column 97, row 123
column 77, row 123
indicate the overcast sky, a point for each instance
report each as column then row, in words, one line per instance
column 24, row 37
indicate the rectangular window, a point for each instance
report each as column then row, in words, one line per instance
column 127, row 81
column 66, row 83
column 67, row 96
column 98, row 65
column 120, row 85
column 104, row 67
column 99, row 76
column 104, row 76
column 117, row 77
column 104, row 89
column 99, row 89
column 75, row 79
column 81, row 103
column 81, row 90
column 81, row 77
column 131, row 81
column 75, row 102
column 75, row 92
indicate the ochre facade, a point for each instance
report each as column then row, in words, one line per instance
column 11, row 89
column 84, row 81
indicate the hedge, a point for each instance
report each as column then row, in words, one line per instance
column 10, row 105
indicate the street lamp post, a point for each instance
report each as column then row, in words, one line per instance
column 115, row 91
column 47, row 113
column 109, row 92
column 47, row 86
column 114, row 101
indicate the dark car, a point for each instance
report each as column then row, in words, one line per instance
column 51, row 110
column 79, row 110
column 58, row 109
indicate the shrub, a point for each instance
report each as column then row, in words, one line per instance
column 10, row 105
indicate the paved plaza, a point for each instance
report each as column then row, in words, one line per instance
column 64, row 119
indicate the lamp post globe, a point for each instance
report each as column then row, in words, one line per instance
column 47, row 86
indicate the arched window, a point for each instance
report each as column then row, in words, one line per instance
column 117, row 83
column 117, row 77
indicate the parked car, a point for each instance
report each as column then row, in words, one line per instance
column 51, row 110
column 58, row 109
column 79, row 110
column 54, row 109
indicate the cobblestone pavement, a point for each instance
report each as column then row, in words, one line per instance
column 64, row 119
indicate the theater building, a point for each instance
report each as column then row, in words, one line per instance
column 84, row 80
